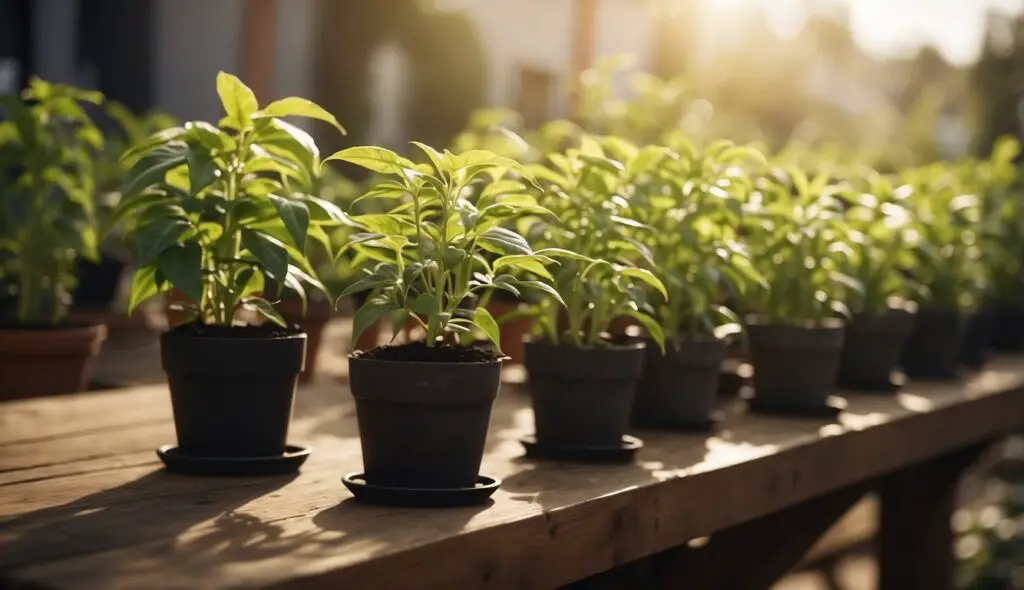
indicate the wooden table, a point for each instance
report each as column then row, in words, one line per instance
column 85, row 504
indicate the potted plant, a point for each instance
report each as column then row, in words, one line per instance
column 100, row 292
column 798, row 241
column 691, row 204
column 882, row 317
column 423, row 407
column 946, row 260
column 1003, row 243
column 215, row 212
column 582, row 382
column 48, row 144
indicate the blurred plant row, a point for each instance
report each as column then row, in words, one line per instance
column 679, row 233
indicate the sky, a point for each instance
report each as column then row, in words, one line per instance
column 956, row 27
column 885, row 28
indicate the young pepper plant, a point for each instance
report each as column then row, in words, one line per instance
column 216, row 211
column 48, row 147
column 798, row 242
column 879, row 223
column 590, row 193
column 430, row 247
column 691, row 201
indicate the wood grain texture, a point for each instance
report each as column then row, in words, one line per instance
column 106, row 516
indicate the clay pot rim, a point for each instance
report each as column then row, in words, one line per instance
column 53, row 341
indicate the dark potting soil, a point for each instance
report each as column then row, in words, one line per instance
column 218, row 331
column 418, row 352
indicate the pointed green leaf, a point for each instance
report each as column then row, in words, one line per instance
column 144, row 286
column 295, row 215
column 156, row 237
column 368, row 314
column 647, row 277
column 532, row 263
column 503, row 241
column 373, row 158
column 238, row 101
column 485, row 321
column 546, row 288
column 266, row 310
column 294, row 106
column 152, row 167
column 202, row 172
column 653, row 328
column 269, row 251
column 182, row 264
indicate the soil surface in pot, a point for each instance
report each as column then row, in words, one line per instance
column 418, row 352
column 218, row 331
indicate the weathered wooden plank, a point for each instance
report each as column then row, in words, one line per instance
column 549, row 525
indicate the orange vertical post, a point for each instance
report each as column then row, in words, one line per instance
column 257, row 48
column 584, row 36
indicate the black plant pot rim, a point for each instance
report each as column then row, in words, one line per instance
column 636, row 345
column 362, row 359
column 823, row 324
column 172, row 333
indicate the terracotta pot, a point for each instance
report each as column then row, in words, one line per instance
column 318, row 313
column 123, row 331
column 512, row 332
column 36, row 362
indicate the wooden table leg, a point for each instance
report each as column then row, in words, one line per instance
column 915, row 541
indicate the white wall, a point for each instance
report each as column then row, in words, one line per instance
column 194, row 40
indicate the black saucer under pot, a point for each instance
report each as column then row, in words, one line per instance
column 871, row 350
column 934, row 344
column 794, row 366
column 423, row 425
column 678, row 387
column 1008, row 328
column 582, row 397
column 232, row 389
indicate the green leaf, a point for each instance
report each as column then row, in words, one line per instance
column 563, row 253
column 295, row 215
column 324, row 210
column 647, row 158
column 202, row 172
column 156, row 237
column 144, row 286
column 436, row 159
column 503, row 241
column 532, row 263
column 485, row 321
column 294, row 106
column 373, row 158
column 653, row 328
column 546, row 288
column 645, row 276
column 266, row 310
column 152, row 167
column 182, row 264
column 367, row 283
column 368, row 315
column 238, row 100
column 270, row 253
column 152, row 141
column 424, row 304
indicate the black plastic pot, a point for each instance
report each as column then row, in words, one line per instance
column 934, row 344
column 1008, row 328
column 98, row 283
column 794, row 367
column 423, row 424
column 232, row 396
column 582, row 397
column 871, row 350
column 977, row 338
column 678, row 388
